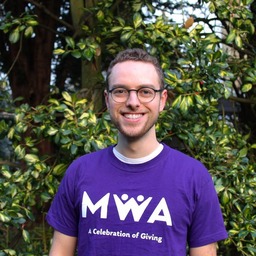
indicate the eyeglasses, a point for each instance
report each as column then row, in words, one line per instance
column 144, row 94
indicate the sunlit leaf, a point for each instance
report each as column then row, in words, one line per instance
column 4, row 217
column 126, row 36
column 31, row 158
column 231, row 36
column 67, row 96
column 70, row 42
column 246, row 87
column 137, row 20
column 26, row 236
column 238, row 41
column 14, row 36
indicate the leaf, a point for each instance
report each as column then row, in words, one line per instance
column 67, row 96
column 65, row 140
column 121, row 21
column 248, row 2
column 32, row 23
column 29, row 214
column 70, row 42
column 176, row 102
column 199, row 99
column 69, row 114
column 26, row 236
column 7, row 174
column 212, row 7
column 31, row 158
column 20, row 152
column 137, row 20
column 225, row 197
column 253, row 145
column 233, row 232
column 4, row 217
column 100, row 15
column 231, row 36
column 246, row 87
column 8, row 252
column 45, row 196
column 77, row 54
column 58, row 51
column 172, row 76
column 92, row 119
column 28, row 31
column 182, row 62
column 88, row 54
column 52, row 131
column 126, row 36
column 243, row 152
column 184, row 105
column 137, row 5
column 238, row 41
column 74, row 149
column 81, row 45
column 116, row 29
column 14, row 36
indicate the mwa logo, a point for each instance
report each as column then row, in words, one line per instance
column 125, row 205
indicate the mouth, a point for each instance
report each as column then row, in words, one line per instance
column 133, row 116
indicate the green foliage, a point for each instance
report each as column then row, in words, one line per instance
column 199, row 72
column 30, row 180
column 27, row 187
column 16, row 27
column 208, row 136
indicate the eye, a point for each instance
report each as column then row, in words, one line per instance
column 146, row 92
column 119, row 91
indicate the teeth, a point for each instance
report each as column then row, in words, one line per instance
column 133, row 116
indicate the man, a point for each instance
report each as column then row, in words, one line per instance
column 139, row 197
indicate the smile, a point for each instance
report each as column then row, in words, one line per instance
column 133, row 116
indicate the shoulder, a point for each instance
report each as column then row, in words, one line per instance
column 182, row 159
column 87, row 161
column 186, row 166
column 93, row 157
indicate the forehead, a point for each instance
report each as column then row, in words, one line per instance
column 134, row 73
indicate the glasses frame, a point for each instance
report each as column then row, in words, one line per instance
column 155, row 91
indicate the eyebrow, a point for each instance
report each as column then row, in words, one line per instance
column 139, row 86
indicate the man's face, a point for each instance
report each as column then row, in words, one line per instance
column 133, row 118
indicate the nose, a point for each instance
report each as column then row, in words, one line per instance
column 133, row 100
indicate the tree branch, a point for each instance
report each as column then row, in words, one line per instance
column 9, row 163
column 42, row 7
column 242, row 100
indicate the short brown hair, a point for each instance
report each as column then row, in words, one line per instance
column 137, row 54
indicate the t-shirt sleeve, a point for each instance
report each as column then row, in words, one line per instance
column 62, row 215
column 207, row 226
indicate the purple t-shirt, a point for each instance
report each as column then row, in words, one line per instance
column 154, row 208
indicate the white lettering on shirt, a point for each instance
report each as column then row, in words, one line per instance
column 124, row 205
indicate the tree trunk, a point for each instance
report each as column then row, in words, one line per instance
column 91, row 79
column 31, row 75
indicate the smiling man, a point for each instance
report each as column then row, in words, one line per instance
column 138, row 197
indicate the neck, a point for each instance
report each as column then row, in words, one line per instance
column 136, row 148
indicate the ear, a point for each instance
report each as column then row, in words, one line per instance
column 106, row 96
column 163, row 99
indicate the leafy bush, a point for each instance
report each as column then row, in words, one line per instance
column 45, row 139
column 30, row 179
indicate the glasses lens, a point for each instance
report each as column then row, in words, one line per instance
column 143, row 94
column 120, row 94
column 146, row 94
